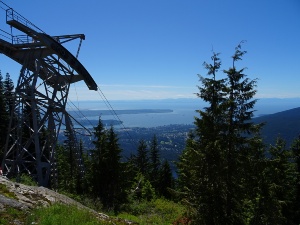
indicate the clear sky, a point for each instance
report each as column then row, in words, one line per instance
column 154, row 49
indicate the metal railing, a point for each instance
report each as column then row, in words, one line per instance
column 17, row 39
column 22, row 39
column 11, row 14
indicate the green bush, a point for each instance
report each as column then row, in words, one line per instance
column 25, row 179
column 143, row 189
column 158, row 211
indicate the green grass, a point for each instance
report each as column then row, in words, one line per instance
column 9, row 215
column 159, row 211
column 4, row 191
column 24, row 179
column 59, row 214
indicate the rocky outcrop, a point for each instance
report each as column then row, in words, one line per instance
column 33, row 196
column 25, row 198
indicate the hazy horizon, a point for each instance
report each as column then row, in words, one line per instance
column 184, row 110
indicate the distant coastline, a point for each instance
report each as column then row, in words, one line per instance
column 91, row 117
column 96, row 112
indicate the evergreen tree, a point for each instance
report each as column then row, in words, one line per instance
column 154, row 162
column 214, row 158
column 253, row 180
column 186, row 166
column 71, row 176
column 130, row 170
column 3, row 118
column 142, row 159
column 142, row 188
column 98, row 155
column 166, row 180
column 201, row 166
column 239, row 111
column 296, row 200
column 107, row 176
column 275, row 203
column 114, row 186
column 62, row 169
column 68, row 176
column 8, row 92
column 9, row 97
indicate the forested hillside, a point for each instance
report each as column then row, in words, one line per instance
column 284, row 124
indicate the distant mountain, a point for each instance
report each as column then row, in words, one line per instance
column 285, row 124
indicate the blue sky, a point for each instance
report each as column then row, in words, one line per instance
column 154, row 49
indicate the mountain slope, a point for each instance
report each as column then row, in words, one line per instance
column 285, row 124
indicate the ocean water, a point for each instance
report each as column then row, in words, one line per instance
column 184, row 110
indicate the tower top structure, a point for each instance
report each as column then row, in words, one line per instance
column 35, row 39
column 38, row 112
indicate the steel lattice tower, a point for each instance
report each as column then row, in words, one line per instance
column 39, row 111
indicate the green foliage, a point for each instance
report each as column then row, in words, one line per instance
column 226, row 174
column 4, row 191
column 106, row 171
column 142, row 189
column 69, row 178
column 147, row 163
column 296, row 159
column 27, row 180
column 8, row 92
column 66, row 215
column 148, row 191
column 158, row 211
column 24, row 178
column 142, row 158
column 165, row 180
column 277, row 189
column 4, row 117
column 154, row 163
column 12, row 216
column 212, row 168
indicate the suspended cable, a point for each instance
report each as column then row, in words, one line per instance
column 81, row 114
column 115, row 114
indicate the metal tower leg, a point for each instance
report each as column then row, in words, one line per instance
column 36, row 126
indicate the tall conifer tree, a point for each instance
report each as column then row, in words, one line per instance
column 277, row 188
column 296, row 200
column 154, row 162
column 3, row 118
column 239, row 111
column 201, row 165
column 166, row 180
column 214, row 157
column 106, row 176
column 142, row 158
column 98, row 155
column 114, row 186
column 9, row 93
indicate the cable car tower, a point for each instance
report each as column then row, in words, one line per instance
column 39, row 111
